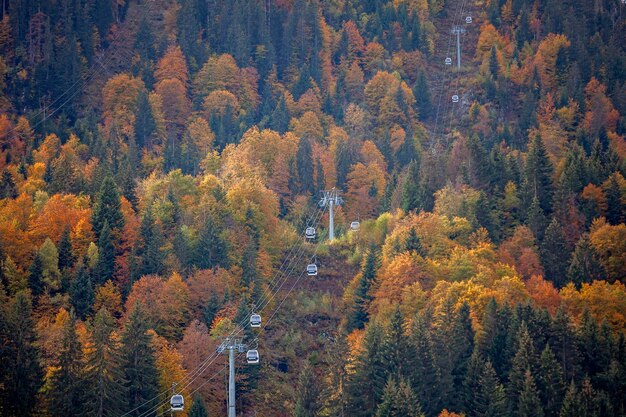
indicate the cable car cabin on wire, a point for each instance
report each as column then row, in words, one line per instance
column 310, row 232
column 355, row 225
column 455, row 98
column 468, row 19
column 177, row 403
column 252, row 356
column 448, row 61
column 311, row 269
column 255, row 320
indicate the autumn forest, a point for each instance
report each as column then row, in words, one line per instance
column 160, row 161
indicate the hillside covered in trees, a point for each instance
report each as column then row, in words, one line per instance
column 161, row 159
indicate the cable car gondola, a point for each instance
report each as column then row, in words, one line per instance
column 310, row 232
column 311, row 269
column 468, row 19
column 252, row 356
column 177, row 403
column 455, row 98
column 355, row 225
column 255, row 320
column 448, row 61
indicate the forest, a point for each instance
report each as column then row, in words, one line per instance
column 160, row 161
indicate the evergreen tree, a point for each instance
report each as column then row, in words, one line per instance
column 421, row 91
column 106, row 256
column 304, row 164
column 150, row 248
column 550, row 382
column 554, row 254
column 198, row 409
column 307, row 393
column 471, row 383
column 65, row 388
column 212, row 249
column 563, row 343
column 425, row 375
column 82, row 292
column 211, row 309
column 536, row 219
column 364, row 388
column 615, row 207
column 66, row 254
column 35, row 275
column 413, row 194
column 145, row 125
column 138, row 362
column 399, row 400
column 279, row 119
column 494, row 66
column 463, row 347
column 413, row 243
column 585, row 266
column 529, row 404
column 249, row 270
column 105, row 377
column 395, row 349
column 490, row 398
column 493, row 337
column 571, row 402
column 359, row 315
column 107, row 208
column 538, row 175
column 7, row 186
column 21, row 373
column 524, row 361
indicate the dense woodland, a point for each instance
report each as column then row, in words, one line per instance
column 160, row 159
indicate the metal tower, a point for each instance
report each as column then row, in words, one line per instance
column 231, row 345
column 331, row 199
column 458, row 30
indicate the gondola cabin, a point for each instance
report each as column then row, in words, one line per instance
column 311, row 269
column 455, row 98
column 255, row 320
column 355, row 225
column 448, row 61
column 177, row 403
column 310, row 233
column 252, row 356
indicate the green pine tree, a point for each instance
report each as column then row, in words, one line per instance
column 105, row 266
column 585, row 266
column 554, row 254
column 211, row 309
column 212, row 249
column 571, row 402
column 66, row 253
column 64, row 388
column 421, row 91
column 395, row 349
column 615, row 207
column 536, row 219
column 529, row 404
column 198, row 409
column 524, row 360
column 538, row 175
column 107, row 208
column 550, row 382
column 138, row 362
column 490, row 398
column 413, row 191
column 425, row 373
column 304, row 164
column 104, row 374
column 307, row 393
column 358, row 315
column 35, row 276
column 149, row 250
column 82, row 292
column 399, row 400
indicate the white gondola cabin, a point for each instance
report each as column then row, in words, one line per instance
column 310, row 232
column 252, row 356
column 448, row 61
column 311, row 269
column 355, row 225
column 455, row 98
column 468, row 19
column 255, row 320
column 177, row 403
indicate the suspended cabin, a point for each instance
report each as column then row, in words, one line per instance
column 455, row 98
column 310, row 232
column 355, row 225
column 253, row 356
column 255, row 320
column 177, row 403
column 311, row 269
column 448, row 61
column 468, row 19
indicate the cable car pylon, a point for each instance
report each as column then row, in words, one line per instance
column 330, row 199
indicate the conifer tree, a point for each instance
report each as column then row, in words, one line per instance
column 35, row 276
column 536, row 219
column 571, row 402
column 529, row 404
column 107, row 208
column 7, row 186
column 304, row 164
column 523, row 361
column 550, row 382
column 66, row 253
column 425, row 375
column 563, row 343
column 615, row 207
column 554, row 254
column 585, row 266
column 21, row 373
column 471, row 383
column 413, row 243
column 307, row 393
column 463, row 347
column 211, row 309
column 104, row 375
column 150, row 248
column 359, row 315
column 138, row 362
column 493, row 337
column 198, row 409
column 421, row 91
column 64, row 388
column 212, row 249
column 395, row 351
column 82, row 292
column 145, row 125
column 413, row 194
column 399, row 400
column 106, row 256
column 490, row 398
column 538, row 175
